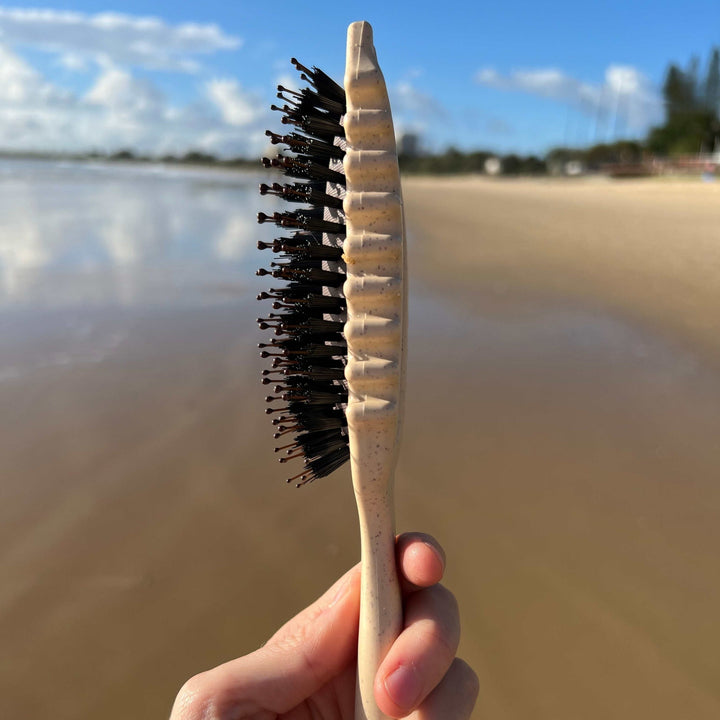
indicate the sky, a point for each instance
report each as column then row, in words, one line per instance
column 167, row 77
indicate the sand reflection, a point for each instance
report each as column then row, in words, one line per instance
column 109, row 228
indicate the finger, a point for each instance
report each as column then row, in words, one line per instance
column 295, row 663
column 422, row 654
column 421, row 561
column 312, row 647
column 454, row 698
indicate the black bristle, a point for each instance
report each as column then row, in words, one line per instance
column 307, row 347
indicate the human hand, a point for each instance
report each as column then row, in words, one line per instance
column 307, row 669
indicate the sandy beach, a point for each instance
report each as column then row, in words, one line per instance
column 561, row 441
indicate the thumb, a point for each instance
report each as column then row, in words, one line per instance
column 308, row 651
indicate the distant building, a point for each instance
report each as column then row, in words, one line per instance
column 493, row 166
column 573, row 168
column 409, row 145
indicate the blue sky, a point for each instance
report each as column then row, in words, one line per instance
column 163, row 76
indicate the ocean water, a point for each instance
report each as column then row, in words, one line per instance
column 93, row 234
column 88, row 250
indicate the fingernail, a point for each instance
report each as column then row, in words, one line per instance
column 404, row 687
column 438, row 554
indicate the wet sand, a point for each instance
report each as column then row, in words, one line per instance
column 561, row 441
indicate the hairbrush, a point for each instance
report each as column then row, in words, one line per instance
column 340, row 320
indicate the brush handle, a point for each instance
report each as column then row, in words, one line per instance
column 380, row 601
column 375, row 332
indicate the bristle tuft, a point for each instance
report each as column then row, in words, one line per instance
column 308, row 349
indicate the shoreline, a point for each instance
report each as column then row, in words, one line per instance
column 250, row 166
column 642, row 249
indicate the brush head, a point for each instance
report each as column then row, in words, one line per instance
column 308, row 349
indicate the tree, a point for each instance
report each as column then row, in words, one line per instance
column 678, row 93
column 692, row 123
column 690, row 133
column 712, row 83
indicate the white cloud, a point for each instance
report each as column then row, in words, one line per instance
column 408, row 99
column 236, row 107
column 114, row 38
column 73, row 61
column 291, row 82
column 120, row 111
column 120, row 93
column 414, row 111
column 624, row 89
column 21, row 85
column 488, row 76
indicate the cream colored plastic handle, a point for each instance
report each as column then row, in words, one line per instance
column 375, row 331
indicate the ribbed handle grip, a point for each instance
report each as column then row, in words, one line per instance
column 375, row 332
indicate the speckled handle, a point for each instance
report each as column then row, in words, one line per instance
column 375, row 331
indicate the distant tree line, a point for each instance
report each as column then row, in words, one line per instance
column 692, row 110
column 455, row 161
column 192, row 157
column 591, row 158
column 691, row 125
